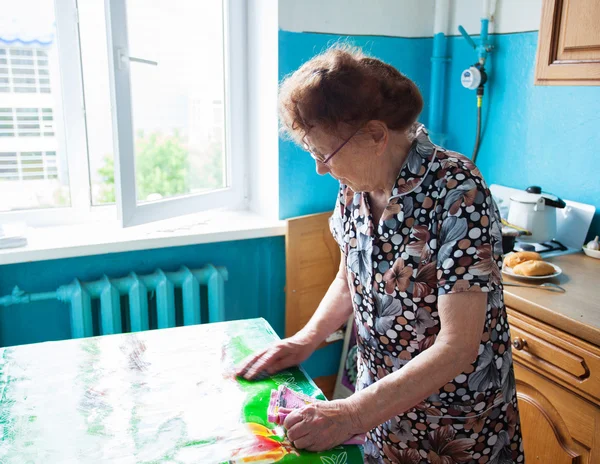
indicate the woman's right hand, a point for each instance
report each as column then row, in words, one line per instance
column 283, row 354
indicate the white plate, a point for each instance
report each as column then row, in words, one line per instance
column 508, row 271
column 591, row 253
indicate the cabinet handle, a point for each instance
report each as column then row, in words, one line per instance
column 519, row 343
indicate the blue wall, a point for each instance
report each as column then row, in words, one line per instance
column 255, row 287
column 534, row 135
column 301, row 190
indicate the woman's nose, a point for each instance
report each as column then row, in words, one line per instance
column 322, row 169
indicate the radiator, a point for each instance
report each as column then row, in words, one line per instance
column 136, row 289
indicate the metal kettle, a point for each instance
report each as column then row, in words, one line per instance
column 536, row 212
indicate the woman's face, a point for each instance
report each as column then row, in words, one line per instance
column 354, row 164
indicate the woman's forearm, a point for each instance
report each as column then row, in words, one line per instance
column 333, row 311
column 407, row 387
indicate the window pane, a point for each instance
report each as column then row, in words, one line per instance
column 33, row 164
column 178, row 105
column 94, row 60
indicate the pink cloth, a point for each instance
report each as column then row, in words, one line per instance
column 285, row 398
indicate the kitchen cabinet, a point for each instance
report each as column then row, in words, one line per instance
column 569, row 43
column 556, row 354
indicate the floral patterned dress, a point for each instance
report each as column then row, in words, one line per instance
column 439, row 234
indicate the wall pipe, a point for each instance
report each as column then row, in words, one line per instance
column 482, row 49
column 484, row 46
column 439, row 59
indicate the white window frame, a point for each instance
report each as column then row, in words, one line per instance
column 72, row 112
column 128, row 210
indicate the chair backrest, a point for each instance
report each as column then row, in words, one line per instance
column 312, row 262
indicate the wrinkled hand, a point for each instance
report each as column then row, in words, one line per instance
column 322, row 426
column 283, row 354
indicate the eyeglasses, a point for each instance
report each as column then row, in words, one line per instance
column 324, row 159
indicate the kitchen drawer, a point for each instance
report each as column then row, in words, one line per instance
column 556, row 354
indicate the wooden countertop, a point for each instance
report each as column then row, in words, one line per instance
column 577, row 311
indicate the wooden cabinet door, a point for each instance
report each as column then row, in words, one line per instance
column 558, row 427
column 569, row 43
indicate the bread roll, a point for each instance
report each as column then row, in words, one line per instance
column 534, row 268
column 520, row 257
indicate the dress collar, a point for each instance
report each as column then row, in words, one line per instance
column 418, row 163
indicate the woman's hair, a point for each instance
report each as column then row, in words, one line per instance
column 343, row 86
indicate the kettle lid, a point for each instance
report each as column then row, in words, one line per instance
column 533, row 194
column 527, row 196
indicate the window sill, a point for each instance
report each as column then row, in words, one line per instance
column 103, row 238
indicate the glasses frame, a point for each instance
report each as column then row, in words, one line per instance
column 327, row 158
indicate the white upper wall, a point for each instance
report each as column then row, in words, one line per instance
column 406, row 18
column 510, row 16
column 403, row 18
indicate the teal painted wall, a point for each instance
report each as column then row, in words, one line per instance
column 301, row 190
column 534, row 135
column 255, row 287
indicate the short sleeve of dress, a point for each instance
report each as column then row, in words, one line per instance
column 469, row 249
column 337, row 221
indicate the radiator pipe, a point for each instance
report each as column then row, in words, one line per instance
column 18, row 296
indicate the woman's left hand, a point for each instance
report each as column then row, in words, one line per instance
column 322, row 426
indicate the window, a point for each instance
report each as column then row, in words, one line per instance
column 34, row 171
column 137, row 120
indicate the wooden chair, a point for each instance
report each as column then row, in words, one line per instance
column 312, row 262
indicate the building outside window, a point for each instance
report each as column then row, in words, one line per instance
column 33, row 171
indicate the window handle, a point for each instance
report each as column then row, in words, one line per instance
column 141, row 60
column 124, row 58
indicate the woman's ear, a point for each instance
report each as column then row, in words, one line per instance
column 378, row 135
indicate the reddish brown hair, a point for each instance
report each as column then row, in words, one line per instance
column 345, row 86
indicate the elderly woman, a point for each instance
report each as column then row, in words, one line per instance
column 420, row 270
